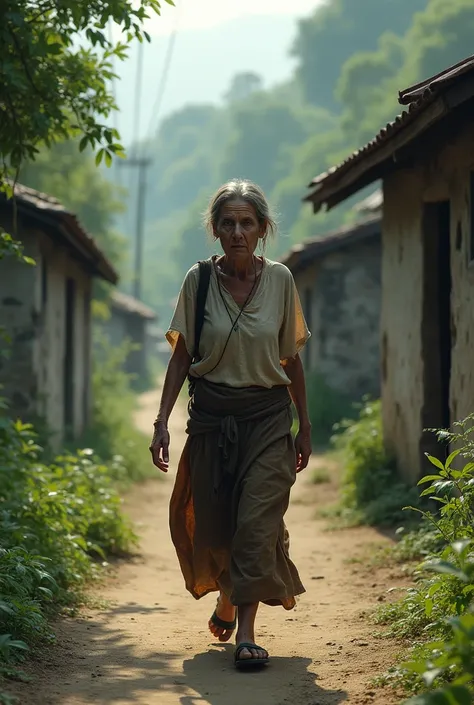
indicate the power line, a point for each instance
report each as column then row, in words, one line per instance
column 138, row 96
column 164, row 74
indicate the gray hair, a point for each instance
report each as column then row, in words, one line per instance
column 242, row 190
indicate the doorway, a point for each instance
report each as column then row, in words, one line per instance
column 436, row 331
column 69, row 356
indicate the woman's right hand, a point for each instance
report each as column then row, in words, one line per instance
column 159, row 447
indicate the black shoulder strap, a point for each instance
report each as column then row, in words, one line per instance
column 203, row 286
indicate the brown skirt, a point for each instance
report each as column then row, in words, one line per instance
column 231, row 492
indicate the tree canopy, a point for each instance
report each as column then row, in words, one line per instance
column 56, row 64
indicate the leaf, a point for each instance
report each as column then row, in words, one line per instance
column 461, row 695
column 446, row 569
column 83, row 143
column 460, row 547
column 430, row 676
column 451, row 457
column 429, row 478
column 108, row 158
column 434, row 461
column 99, row 156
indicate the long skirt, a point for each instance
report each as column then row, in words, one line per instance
column 231, row 493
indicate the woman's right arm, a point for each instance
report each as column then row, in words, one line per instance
column 176, row 373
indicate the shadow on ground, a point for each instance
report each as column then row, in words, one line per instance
column 93, row 662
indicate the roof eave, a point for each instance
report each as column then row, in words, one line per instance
column 364, row 170
column 65, row 224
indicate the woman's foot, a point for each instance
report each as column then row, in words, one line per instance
column 246, row 636
column 224, row 613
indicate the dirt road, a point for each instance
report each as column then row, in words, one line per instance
column 150, row 645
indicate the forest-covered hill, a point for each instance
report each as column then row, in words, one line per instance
column 351, row 57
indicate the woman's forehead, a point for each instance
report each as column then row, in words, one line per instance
column 237, row 208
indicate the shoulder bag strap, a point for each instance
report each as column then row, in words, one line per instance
column 201, row 296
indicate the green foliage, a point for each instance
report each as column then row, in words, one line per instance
column 72, row 177
column 439, row 607
column 111, row 432
column 372, row 492
column 326, row 408
column 9, row 247
column 338, row 30
column 53, row 84
column 56, row 520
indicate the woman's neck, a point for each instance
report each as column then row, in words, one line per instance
column 241, row 268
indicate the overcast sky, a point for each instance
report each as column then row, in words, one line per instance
column 202, row 14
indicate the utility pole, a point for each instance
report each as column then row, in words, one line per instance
column 142, row 164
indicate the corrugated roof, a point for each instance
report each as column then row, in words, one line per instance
column 37, row 204
column 127, row 303
column 418, row 98
column 437, row 82
column 371, row 204
column 305, row 253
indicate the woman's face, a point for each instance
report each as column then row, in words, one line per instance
column 238, row 229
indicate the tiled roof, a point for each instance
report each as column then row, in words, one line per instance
column 36, row 203
column 418, row 98
column 304, row 254
column 124, row 302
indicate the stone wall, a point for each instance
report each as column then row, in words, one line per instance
column 342, row 291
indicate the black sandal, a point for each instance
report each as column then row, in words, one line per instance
column 221, row 623
column 248, row 663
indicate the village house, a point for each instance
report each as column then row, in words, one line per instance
column 338, row 280
column 130, row 320
column 425, row 159
column 46, row 312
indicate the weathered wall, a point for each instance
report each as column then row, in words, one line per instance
column 401, row 318
column 20, row 319
column 344, row 318
column 444, row 175
column 307, row 285
column 33, row 311
column 51, row 348
column 349, row 282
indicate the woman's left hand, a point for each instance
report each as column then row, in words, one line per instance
column 303, row 449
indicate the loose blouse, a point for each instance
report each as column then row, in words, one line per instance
column 270, row 331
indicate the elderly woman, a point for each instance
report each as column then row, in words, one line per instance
column 240, row 460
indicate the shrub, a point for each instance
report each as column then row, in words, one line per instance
column 111, row 432
column 326, row 408
column 439, row 607
column 55, row 521
column 372, row 492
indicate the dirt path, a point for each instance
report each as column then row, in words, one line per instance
column 151, row 645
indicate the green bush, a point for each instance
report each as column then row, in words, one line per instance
column 56, row 520
column 439, row 607
column 111, row 432
column 372, row 492
column 326, row 408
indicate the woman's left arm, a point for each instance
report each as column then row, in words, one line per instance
column 295, row 372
